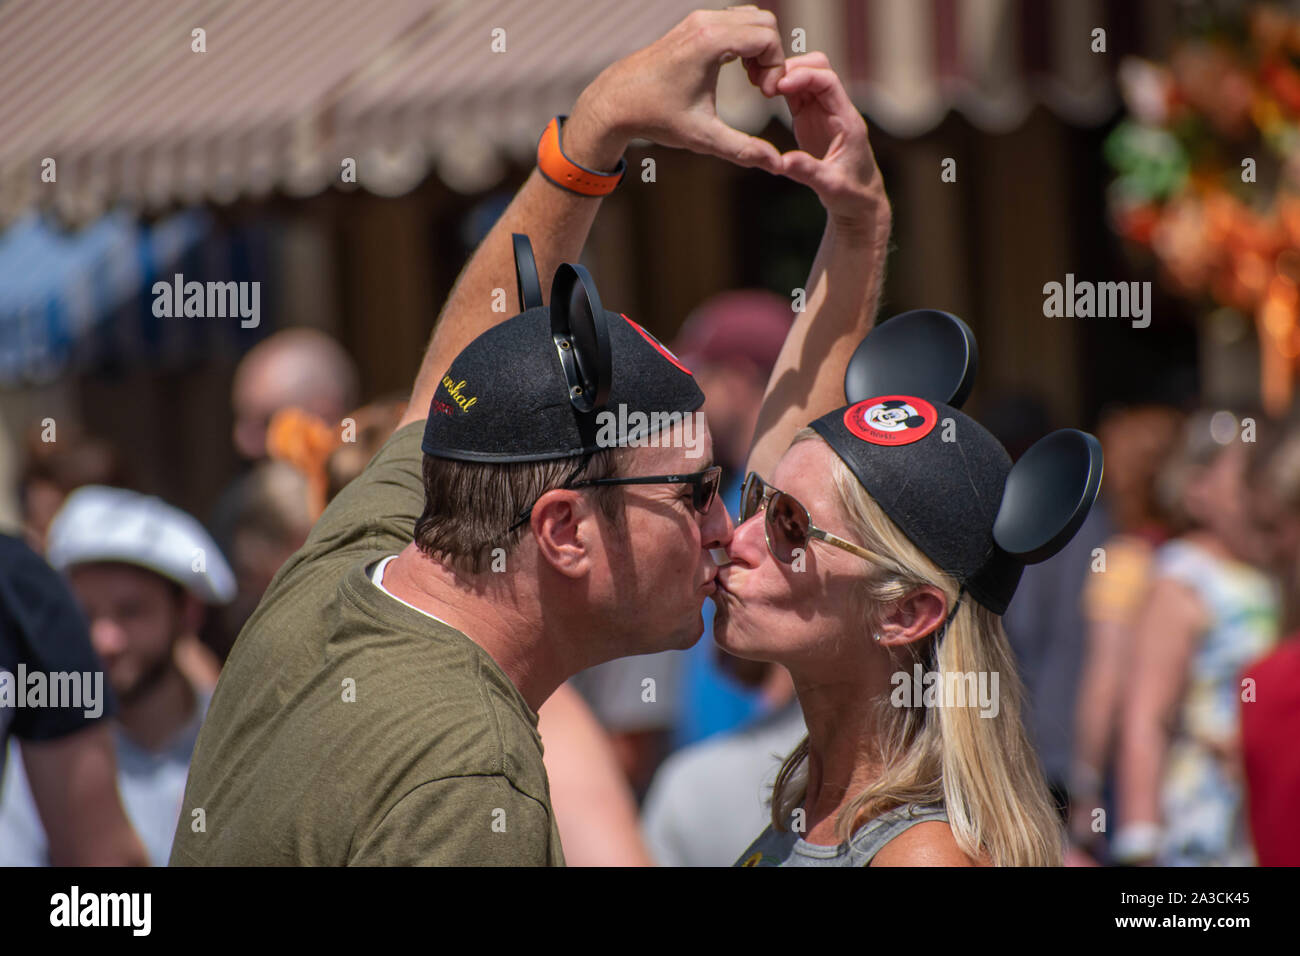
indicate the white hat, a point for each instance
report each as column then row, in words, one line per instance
column 97, row 523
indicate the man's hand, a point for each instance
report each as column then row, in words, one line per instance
column 666, row 92
column 834, row 157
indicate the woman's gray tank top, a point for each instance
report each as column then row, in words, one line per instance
column 789, row 849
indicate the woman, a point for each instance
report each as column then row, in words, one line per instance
column 1136, row 440
column 907, row 575
column 1209, row 612
column 837, row 572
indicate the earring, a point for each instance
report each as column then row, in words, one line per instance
column 877, row 637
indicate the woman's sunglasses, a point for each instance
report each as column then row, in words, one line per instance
column 787, row 525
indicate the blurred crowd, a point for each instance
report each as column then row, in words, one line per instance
column 1157, row 649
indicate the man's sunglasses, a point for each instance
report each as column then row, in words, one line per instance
column 704, row 491
column 787, row 526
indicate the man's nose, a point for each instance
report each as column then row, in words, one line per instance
column 717, row 528
column 107, row 638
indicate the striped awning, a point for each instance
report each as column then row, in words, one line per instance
column 287, row 90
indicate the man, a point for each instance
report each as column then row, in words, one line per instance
column 260, row 518
column 380, row 705
column 67, row 751
column 296, row 368
column 142, row 572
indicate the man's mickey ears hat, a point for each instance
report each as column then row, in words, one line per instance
column 942, row 477
column 534, row 387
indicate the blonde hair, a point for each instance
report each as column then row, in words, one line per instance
column 982, row 769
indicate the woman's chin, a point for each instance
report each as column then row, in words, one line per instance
column 731, row 639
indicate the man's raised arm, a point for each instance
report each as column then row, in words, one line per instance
column 843, row 289
column 664, row 93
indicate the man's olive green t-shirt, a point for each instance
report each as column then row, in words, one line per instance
column 350, row 728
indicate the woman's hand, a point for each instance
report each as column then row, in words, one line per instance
column 834, row 157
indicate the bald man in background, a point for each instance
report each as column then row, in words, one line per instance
column 302, row 368
column 263, row 516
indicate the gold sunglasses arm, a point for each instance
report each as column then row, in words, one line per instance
column 852, row 548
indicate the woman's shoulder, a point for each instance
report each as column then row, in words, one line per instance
column 930, row 843
column 913, row 836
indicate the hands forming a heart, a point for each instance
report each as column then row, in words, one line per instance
column 666, row 93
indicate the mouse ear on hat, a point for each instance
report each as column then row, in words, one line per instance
column 925, row 352
column 581, row 334
column 1048, row 494
column 526, row 281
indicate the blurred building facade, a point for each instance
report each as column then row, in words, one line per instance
column 438, row 113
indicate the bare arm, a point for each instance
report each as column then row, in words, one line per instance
column 594, row 807
column 1164, row 639
column 74, row 785
column 843, row 288
column 555, row 220
column 1101, row 689
column 664, row 93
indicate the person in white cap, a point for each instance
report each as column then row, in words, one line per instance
column 143, row 573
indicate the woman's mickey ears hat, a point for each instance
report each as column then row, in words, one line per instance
column 925, row 352
column 534, row 387
column 942, row 477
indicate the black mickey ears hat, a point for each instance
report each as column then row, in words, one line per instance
column 942, row 477
column 550, row 382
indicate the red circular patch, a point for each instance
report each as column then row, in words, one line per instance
column 891, row 419
column 659, row 346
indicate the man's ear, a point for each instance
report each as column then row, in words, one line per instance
column 912, row 617
column 563, row 524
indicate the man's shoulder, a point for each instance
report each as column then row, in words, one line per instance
column 351, row 658
column 324, row 719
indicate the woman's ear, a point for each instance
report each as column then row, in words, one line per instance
column 562, row 526
column 912, row 617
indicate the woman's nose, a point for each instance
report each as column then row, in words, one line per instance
column 748, row 545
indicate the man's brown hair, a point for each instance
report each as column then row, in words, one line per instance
column 470, row 507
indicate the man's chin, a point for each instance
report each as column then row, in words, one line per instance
column 688, row 636
column 130, row 686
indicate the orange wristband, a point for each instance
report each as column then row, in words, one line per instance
column 565, row 173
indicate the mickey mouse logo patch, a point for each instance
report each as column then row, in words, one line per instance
column 891, row 419
column 659, row 346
